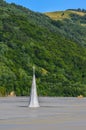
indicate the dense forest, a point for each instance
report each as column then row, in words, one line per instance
column 57, row 48
column 72, row 24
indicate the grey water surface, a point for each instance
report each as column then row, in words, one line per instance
column 54, row 113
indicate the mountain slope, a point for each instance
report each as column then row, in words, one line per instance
column 28, row 38
column 61, row 15
column 72, row 24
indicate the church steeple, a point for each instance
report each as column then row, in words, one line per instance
column 33, row 102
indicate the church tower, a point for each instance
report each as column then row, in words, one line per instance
column 33, row 102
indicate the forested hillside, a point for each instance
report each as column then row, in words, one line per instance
column 72, row 24
column 28, row 38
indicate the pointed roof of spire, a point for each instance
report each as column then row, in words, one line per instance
column 33, row 70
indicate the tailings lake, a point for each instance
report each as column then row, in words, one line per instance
column 56, row 113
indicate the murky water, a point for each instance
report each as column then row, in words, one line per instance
column 54, row 114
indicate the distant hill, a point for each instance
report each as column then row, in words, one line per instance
column 29, row 38
column 61, row 15
column 72, row 24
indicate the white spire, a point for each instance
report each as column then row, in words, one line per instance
column 33, row 96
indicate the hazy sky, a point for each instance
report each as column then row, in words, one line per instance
column 50, row 5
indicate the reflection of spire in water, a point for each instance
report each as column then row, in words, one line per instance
column 33, row 96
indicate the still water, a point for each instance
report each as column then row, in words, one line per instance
column 56, row 113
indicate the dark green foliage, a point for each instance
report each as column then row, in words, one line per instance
column 28, row 38
column 79, row 10
column 73, row 28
